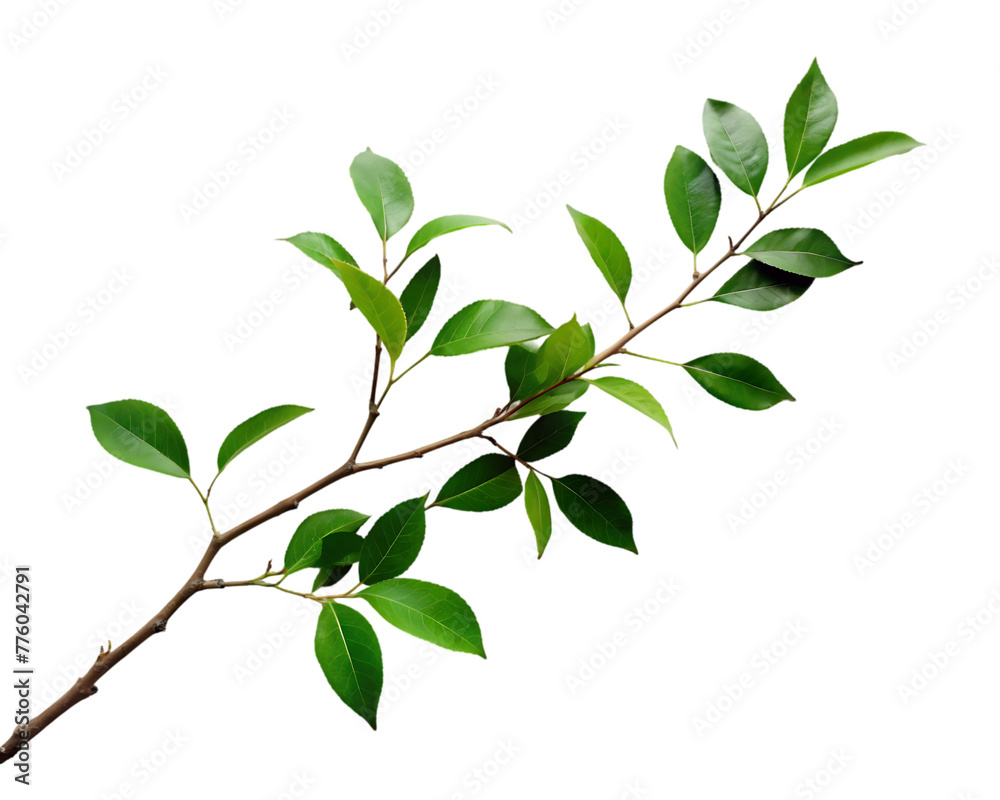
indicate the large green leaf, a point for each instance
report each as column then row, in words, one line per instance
column 485, row 484
column 738, row 380
column 606, row 250
column 548, row 435
column 804, row 251
column 384, row 191
column 632, row 394
column 810, row 117
column 142, row 435
column 255, row 429
column 488, row 323
column 348, row 652
column 380, row 307
column 595, row 509
column 693, row 198
column 554, row 400
column 562, row 353
column 323, row 249
column 305, row 548
column 736, row 143
column 858, row 153
column 760, row 287
column 417, row 298
column 447, row 224
column 393, row 543
column 536, row 503
column 427, row 611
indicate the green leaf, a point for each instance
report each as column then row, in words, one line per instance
column 554, row 400
column 738, row 380
column 518, row 365
column 142, row 435
column 536, row 503
column 804, row 251
column 485, row 484
column 448, row 224
column 323, row 249
column 394, row 542
column 760, row 287
column 632, row 394
column 607, row 251
column 417, row 298
column 429, row 612
column 306, row 547
column 595, row 509
column 384, row 191
column 331, row 576
column 810, row 117
column 348, row 652
column 693, row 198
column 548, row 435
column 380, row 307
column 858, row 153
column 255, row 429
column 737, row 144
column 562, row 353
column 488, row 323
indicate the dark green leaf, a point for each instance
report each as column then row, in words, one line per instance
column 536, row 503
column 607, row 251
column 738, row 380
column 488, row 323
column 693, row 198
column 255, row 429
column 429, row 612
column 554, row 400
column 384, row 191
column 737, row 144
column 142, row 435
column 595, row 509
column 562, row 353
column 448, row 224
column 306, row 546
column 810, row 117
column 760, row 287
column 518, row 366
column 380, row 307
column 394, row 542
column 323, row 249
column 632, row 394
column 349, row 653
column 417, row 298
column 486, row 484
column 804, row 251
column 548, row 435
column 331, row 576
column 856, row 154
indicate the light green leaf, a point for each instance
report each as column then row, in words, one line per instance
column 693, row 198
column 562, row 353
column 393, row 543
column 554, row 400
column 858, row 153
column 349, row 654
column 548, row 435
column 595, row 509
column 738, row 380
column 255, row 429
column 632, row 394
column 606, row 250
column 384, row 191
column 488, row 323
column 536, row 503
column 804, row 251
column 417, row 298
column 305, row 549
column 448, row 224
column 380, row 307
column 737, row 144
column 427, row 611
column 485, row 484
column 760, row 287
column 142, row 435
column 810, row 117
column 322, row 249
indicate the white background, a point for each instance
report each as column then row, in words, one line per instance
column 256, row 719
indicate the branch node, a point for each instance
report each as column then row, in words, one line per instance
column 159, row 626
column 222, row 584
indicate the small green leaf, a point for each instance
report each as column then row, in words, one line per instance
column 536, row 503
column 348, row 652
column 394, row 542
column 548, row 435
column 562, row 353
column 632, row 394
column 330, row 576
column 858, row 153
column 607, row 251
column 488, row 323
column 737, row 144
column 417, row 298
column 810, row 117
column 444, row 225
column 322, row 249
column 693, row 198
column 595, row 509
column 486, row 484
column 738, row 380
column 554, row 400
column 427, row 611
column 142, row 435
column 760, row 287
column 255, row 429
column 518, row 365
column 384, row 191
column 305, row 549
column 804, row 251
column 380, row 307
